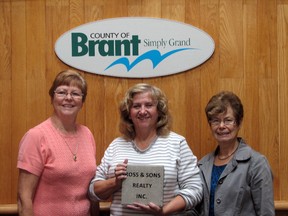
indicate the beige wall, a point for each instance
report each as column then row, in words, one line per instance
column 251, row 59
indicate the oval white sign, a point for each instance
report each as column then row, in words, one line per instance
column 134, row 47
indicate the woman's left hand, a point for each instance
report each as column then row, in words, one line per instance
column 150, row 208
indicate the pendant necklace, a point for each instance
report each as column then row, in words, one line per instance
column 60, row 129
column 74, row 154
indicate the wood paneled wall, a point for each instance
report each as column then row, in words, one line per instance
column 251, row 59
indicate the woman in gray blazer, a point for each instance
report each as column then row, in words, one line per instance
column 236, row 179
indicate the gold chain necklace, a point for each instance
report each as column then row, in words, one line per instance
column 226, row 157
column 58, row 128
column 74, row 154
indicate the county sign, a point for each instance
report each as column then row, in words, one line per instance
column 134, row 47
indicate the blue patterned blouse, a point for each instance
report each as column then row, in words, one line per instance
column 216, row 173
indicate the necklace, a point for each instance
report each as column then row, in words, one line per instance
column 226, row 157
column 74, row 154
column 60, row 129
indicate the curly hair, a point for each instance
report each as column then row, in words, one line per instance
column 164, row 122
column 219, row 103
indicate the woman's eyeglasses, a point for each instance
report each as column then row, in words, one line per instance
column 63, row 94
column 226, row 122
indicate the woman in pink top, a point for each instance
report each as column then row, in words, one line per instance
column 56, row 158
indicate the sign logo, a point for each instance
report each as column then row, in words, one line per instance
column 134, row 47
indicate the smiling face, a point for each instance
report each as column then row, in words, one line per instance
column 67, row 101
column 143, row 112
column 224, row 127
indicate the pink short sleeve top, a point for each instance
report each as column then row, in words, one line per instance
column 63, row 182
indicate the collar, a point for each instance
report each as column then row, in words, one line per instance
column 243, row 153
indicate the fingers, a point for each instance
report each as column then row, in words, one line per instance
column 120, row 173
column 120, row 170
column 125, row 161
column 150, row 208
column 155, row 208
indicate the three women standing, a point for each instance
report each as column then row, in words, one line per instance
column 57, row 158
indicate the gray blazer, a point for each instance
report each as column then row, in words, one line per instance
column 244, row 188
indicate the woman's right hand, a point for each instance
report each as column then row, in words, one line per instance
column 120, row 172
column 105, row 188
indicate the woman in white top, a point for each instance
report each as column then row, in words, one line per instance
column 147, row 140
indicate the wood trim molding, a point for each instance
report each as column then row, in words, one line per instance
column 105, row 206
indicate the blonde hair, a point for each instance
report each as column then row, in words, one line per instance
column 164, row 122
